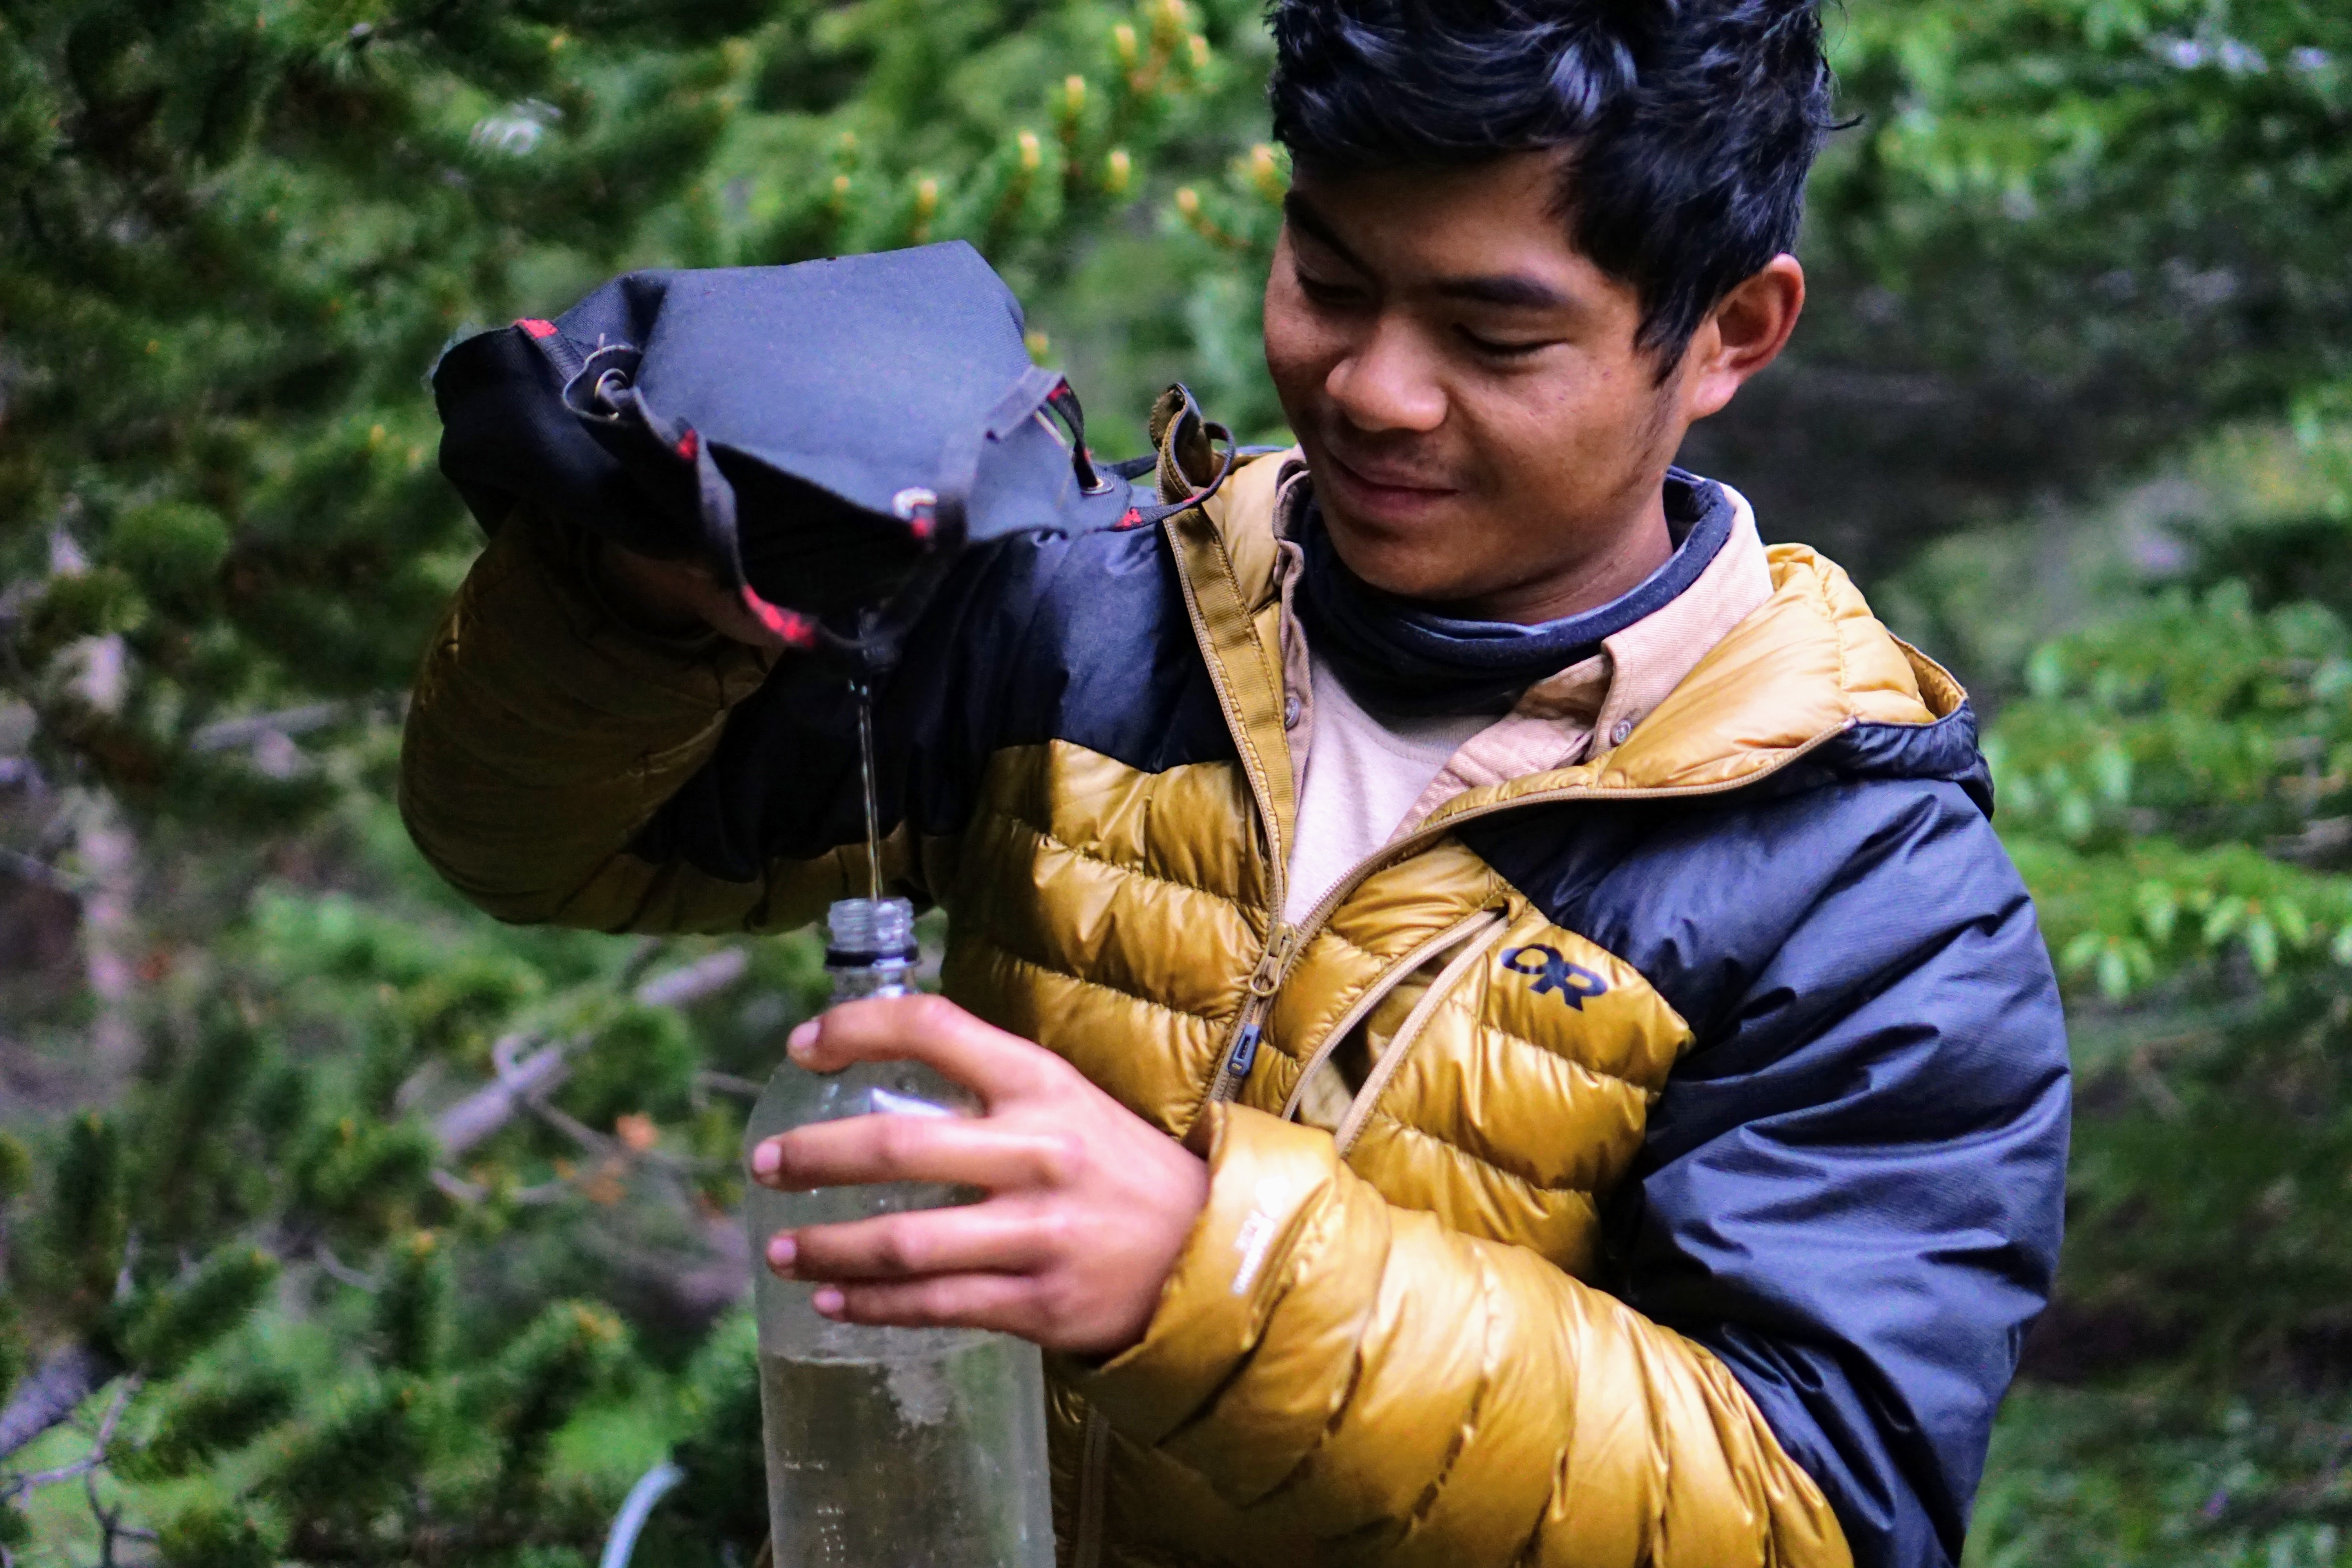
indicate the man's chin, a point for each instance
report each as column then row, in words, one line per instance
column 1408, row 565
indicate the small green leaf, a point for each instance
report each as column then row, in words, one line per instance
column 2114, row 974
column 2045, row 672
column 2293, row 925
column 2223, row 918
column 2261, row 939
column 2111, row 772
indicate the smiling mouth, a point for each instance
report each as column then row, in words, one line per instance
column 1383, row 490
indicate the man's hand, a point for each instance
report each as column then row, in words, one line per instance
column 1089, row 1205
column 676, row 596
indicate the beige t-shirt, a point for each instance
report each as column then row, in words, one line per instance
column 1362, row 782
column 1363, row 777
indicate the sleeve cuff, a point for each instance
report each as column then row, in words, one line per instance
column 1268, row 1178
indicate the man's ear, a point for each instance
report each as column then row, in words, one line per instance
column 1745, row 332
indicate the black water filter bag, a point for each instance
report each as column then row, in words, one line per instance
column 826, row 437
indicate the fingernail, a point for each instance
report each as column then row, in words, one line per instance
column 782, row 1250
column 828, row 1302
column 802, row 1040
column 768, row 1158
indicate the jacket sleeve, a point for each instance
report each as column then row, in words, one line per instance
column 544, row 733
column 549, row 742
column 1369, row 1385
column 1854, row 1190
column 1847, row 1212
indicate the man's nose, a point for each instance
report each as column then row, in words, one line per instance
column 1387, row 381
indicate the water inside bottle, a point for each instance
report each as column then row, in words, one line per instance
column 946, row 1434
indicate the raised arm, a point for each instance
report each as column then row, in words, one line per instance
column 547, row 732
column 564, row 763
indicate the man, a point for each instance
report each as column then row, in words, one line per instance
column 1563, row 1072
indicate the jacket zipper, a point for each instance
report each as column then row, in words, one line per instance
column 1249, row 1026
column 1284, row 941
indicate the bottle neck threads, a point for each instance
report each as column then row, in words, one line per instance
column 870, row 945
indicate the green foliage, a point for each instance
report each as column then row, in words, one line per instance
column 189, row 1315
column 16, row 1167
column 2170, row 173
column 2175, row 780
column 712, row 1506
column 214, row 1535
column 87, row 1218
column 355, row 1457
column 410, row 1316
column 546, row 1376
column 644, row 1061
column 209, row 1416
column 2088, row 1480
column 2160, row 772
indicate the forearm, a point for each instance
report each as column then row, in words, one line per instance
column 545, row 732
column 1362, row 1374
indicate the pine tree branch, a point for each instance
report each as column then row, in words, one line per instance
column 51, row 1396
column 482, row 1113
column 226, row 734
column 474, row 1118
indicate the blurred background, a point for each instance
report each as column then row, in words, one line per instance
column 342, row 1225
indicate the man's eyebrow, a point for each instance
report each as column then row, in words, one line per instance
column 1511, row 291
column 1515, row 290
column 1301, row 215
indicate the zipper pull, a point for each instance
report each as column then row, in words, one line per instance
column 1262, row 981
column 1268, row 973
column 1245, row 1053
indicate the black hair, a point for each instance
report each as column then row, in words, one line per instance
column 1688, row 126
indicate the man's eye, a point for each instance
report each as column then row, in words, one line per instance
column 1323, row 293
column 1495, row 349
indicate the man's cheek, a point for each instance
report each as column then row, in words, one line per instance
column 1298, row 368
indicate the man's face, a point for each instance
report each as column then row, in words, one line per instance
column 1482, row 430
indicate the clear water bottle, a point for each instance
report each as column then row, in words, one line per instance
column 887, row 1447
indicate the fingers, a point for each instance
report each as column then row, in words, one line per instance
column 676, row 596
column 730, row 617
column 928, row 1029
column 981, row 1238
column 953, row 1149
column 1002, row 1301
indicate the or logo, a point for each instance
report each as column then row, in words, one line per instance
column 1573, row 981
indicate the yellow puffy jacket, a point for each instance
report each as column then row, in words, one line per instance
column 1434, row 1329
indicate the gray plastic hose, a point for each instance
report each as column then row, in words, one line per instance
column 651, row 1488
